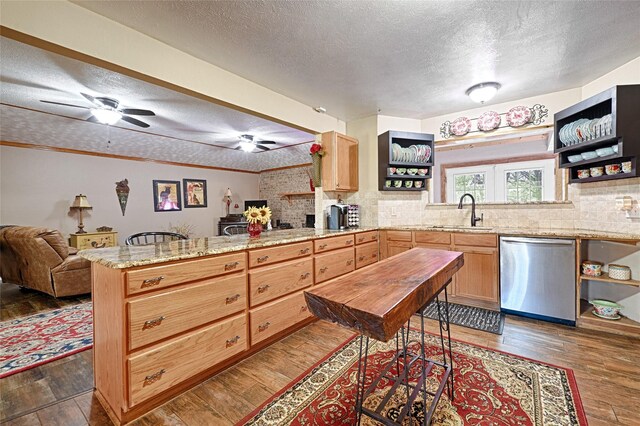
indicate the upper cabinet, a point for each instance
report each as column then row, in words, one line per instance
column 599, row 138
column 340, row 163
column 405, row 161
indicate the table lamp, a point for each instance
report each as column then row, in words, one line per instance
column 80, row 203
column 227, row 199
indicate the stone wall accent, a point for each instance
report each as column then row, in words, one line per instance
column 273, row 183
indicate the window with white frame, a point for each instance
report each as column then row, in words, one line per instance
column 521, row 182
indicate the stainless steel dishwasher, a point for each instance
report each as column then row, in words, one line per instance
column 538, row 278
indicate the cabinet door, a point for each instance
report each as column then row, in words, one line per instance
column 397, row 247
column 478, row 278
column 346, row 163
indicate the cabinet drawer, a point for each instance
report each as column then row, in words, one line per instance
column 326, row 244
column 433, row 237
column 399, row 235
column 159, row 369
column 336, row 263
column 275, row 317
column 478, row 240
column 365, row 237
column 366, row 254
column 156, row 317
column 155, row 277
column 268, row 256
column 91, row 241
column 277, row 280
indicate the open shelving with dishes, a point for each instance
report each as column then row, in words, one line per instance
column 405, row 159
column 599, row 138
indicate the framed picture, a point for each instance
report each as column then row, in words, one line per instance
column 166, row 196
column 195, row 193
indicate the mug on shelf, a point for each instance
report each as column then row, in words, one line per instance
column 596, row 171
column 612, row 169
column 626, row 167
column 583, row 173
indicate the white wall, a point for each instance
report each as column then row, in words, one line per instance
column 628, row 73
column 37, row 187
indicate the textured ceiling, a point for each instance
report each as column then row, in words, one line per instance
column 185, row 129
column 405, row 58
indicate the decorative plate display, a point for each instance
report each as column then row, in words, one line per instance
column 461, row 126
column 488, row 121
column 518, row 116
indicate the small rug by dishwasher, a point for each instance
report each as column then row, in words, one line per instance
column 37, row 339
column 491, row 388
column 470, row 316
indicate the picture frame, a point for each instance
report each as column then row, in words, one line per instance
column 195, row 193
column 167, row 196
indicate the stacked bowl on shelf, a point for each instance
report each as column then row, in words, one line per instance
column 584, row 130
column 609, row 169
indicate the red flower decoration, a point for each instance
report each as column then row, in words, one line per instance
column 316, row 147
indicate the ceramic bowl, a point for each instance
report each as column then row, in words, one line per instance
column 615, row 148
column 589, row 155
column 596, row 171
column 612, row 169
column 603, row 152
column 401, row 170
column 418, row 184
column 619, row 272
column 408, row 183
column 583, row 174
column 387, row 184
column 606, row 308
column 397, row 183
column 391, row 171
column 626, row 167
column 412, row 171
column 423, row 172
column 574, row 158
column 591, row 268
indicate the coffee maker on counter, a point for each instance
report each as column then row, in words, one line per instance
column 338, row 216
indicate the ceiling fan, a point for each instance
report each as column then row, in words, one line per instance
column 106, row 111
column 246, row 143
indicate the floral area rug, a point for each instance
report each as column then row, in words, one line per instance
column 37, row 339
column 491, row 388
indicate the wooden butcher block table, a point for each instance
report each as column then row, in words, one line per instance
column 378, row 301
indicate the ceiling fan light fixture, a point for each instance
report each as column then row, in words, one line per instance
column 106, row 116
column 247, row 146
column 483, row 92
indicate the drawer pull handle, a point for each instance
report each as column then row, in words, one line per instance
column 322, row 246
column 152, row 378
column 349, row 262
column 263, row 288
column 232, row 299
column 374, row 237
column 153, row 323
column 304, row 251
column 374, row 255
column 361, row 239
column 305, row 276
column 230, row 266
column 232, row 342
column 323, row 269
column 304, row 308
column 151, row 282
column 263, row 327
column 346, row 243
column 262, row 259
column 361, row 258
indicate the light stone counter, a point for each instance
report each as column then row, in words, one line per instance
column 130, row 256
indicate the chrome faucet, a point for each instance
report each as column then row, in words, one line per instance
column 474, row 219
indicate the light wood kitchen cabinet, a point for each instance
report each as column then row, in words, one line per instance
column 366, row 254
column 333, row 264
column 340, row 163
column 478, row 278
column 397, row 247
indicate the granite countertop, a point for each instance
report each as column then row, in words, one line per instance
column 130, row 256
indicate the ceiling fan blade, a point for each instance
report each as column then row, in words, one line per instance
column 264, row 148
column 134, row 121
column 90, row 99
column 237, row 148
column 133, row 111
column 93, row 119
column 267, row 142
column 60, row 103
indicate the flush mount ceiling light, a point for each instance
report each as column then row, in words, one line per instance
column 483, row 92
column 247, row 146
column 106, row 116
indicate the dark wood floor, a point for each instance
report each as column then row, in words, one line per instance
column 607, row 368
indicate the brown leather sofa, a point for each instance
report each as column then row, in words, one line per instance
column 41, row 259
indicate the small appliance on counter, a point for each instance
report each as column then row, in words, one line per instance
column 353, row 219
column 338, row 214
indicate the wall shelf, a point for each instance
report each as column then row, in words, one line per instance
column 624, row 324
column 385, row 159
column 605, row 278
column 288, row 195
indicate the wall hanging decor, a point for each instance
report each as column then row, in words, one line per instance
column 195, row 193
column 166, row 195
column 122, row 191
column 517, row 116
column 317, row 153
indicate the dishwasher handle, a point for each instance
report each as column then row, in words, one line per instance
column 555, row 241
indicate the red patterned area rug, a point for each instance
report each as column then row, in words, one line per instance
column 492, row 388
column 37, row 339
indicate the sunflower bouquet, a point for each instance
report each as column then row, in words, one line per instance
column 260, row 215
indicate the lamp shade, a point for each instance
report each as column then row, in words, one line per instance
column 228, row 193
column 81, row 202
